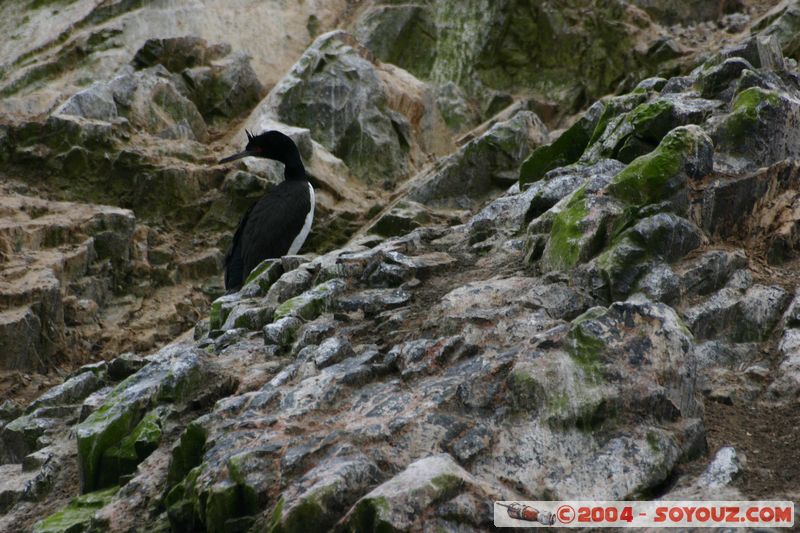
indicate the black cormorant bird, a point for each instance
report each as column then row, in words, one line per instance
column 279, row 222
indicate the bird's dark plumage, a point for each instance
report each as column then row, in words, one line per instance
column 279, row 221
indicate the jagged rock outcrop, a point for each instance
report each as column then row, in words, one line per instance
column 338, row 92
column 481, row 52
column 60, row 261
column 570, row 315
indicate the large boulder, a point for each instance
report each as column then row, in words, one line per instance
column 398, row 503
column 119, row 434
column 468, row 178
column 334, row 90
column 148, row 99
column 220, row 83
column 545, row 49
column 404, row 35
column 759, row 128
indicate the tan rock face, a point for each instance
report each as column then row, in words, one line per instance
column 480, row 337
column 69, row 43
column 50, row 248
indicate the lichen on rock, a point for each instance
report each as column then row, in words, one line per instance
column 174, row 376
column 575, row 320
column 685, row 152
column 78, row 514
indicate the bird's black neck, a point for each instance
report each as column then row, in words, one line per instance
column 293, row 167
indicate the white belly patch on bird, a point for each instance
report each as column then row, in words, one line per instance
column 301, row 237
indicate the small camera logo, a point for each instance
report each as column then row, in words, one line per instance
column 527, row 513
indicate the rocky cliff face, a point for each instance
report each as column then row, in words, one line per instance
column 501, row 298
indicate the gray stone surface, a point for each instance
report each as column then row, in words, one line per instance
column 740, row 316
column 355, row 124
column 467, row 178
column 723, row 469
column 562, row 337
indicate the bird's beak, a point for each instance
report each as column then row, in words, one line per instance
column 234, row 157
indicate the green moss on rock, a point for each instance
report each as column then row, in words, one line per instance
column 188, row 453
column 173, row 377
column 266, row 273
column 276, row 517
column 76, row 516
column 254, row 319
column 447, row 484
column 182, row 505
column 747, row 111
column 658, row 175
column 621, row 264
column 367, row 516
column 215, row 316
column 652, row 120
column 749, row 100
column 560, row 391
column 566, row 150
column 526, row 392
column 563, row 248
column 100, row 431
column 308, row 515
column 614, row 108
column 220, row 309
column 653, row 442
column 123, row 458
column 311, row 303
column 584, row 347
column 222, row 503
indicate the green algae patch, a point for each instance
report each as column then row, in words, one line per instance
column 220, row 309
column 584, row 408
column 447, row 485
column 653, row 442
column 563, row 249
column 652, row 120
column 746, row 113
column 265, row 274
column 567, row 149
column 631, row 214
column 215, row 316
column 223, row 502
column 174, row 377
column 77, row 515
column 748, row 101
column 124, row 457
column 526, row 392
column 311, row 303
column 254, row 319
column 564, row 151
column 584, row 347
column 622, row 275
column 613, row 109
column 182, row 505
column 274, row 525
column 194, row 501
column 658, row 175
column 188, row 453
column 308, row 515
column 561, row 392
column 100, row 431
column 367, row 516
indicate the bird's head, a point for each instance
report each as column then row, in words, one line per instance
column 270, row 144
